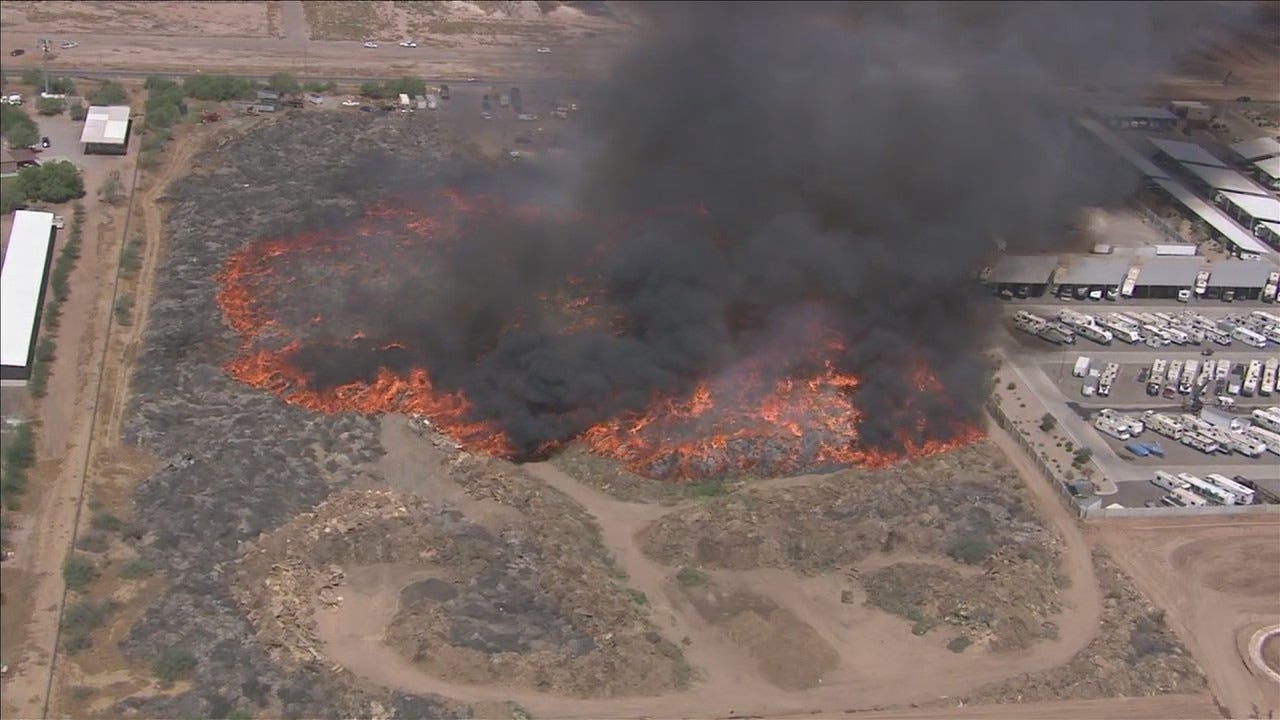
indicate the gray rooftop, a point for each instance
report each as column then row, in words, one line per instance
column 1170, row 271
column 1257, row 148
column 1083, row 270
column 1270, row 166
column 1135, row 112
column 1239, row 274
column 1255, row 206
column 1223, row 179
column 1023, row 269
column 1186, row 152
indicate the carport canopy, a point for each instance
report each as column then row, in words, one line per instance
column 1179, row 272
column 1023, row 270
column 1239, row 274
column 1095, row 271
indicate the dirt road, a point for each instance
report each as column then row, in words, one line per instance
column 877, row 668
column 1218, row 584
column 41, row 549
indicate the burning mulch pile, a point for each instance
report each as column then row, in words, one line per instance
column 1134, row 654
column 240, row 462
column 966, row 504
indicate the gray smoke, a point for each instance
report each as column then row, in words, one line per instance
column 860, row 160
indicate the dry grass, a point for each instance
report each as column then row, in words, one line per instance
column 217, row 19
column 344, row 20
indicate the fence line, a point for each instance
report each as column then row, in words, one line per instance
column 1161, row 225
column 1003, row 421
column 1104, row 513
column 1094, row 509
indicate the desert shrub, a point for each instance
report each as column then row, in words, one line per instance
column 971, row 549
column 959, row 643
column 80, row 620
column 52, row 182
column 93, row 541
column 689, row 577
column 1048, row 422
column 77, row 572
column 173, row 663
column 106, row 522
column 137, row 570
column 637, row 597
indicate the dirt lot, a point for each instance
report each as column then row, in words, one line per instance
column 215, row 19
column 1217, row 583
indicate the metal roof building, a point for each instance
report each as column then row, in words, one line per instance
column 1257, row 148
column 1135, row 115
column 106, row 129
column 1179, row 272
column 1186, row 152
column 1269, row 167
column 1224, row 179
column 1023, row 270
column 1255, row 207
column 1123, row 149
column 1084, row 270
column 1236, row 236
column 1249, row 274
column 23, row 280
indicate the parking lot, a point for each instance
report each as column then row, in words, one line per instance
column 1048, row 370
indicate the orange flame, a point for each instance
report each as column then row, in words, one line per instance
column 806, row 419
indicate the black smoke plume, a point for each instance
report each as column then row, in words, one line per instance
column 861, row 159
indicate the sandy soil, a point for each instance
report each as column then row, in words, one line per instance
column 1217, row 581
column 874, row 666
column 91, row 429
column 1167, row 707
column 66, row 417
column 212, row 19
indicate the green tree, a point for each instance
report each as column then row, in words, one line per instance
column 217, row 87
column 408, row 85
column 23, row 136
column 62, row 86
column 1048, row 422
column 158, row 83
column 12, row 198
column 51, row 106
column 78, row 112
column 54, row 182
column 283, row 82
column 109, row 93
column 1083, row 455
column 373, row 89
column 33, row 77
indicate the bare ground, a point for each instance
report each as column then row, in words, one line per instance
column 1217, row 582
column 230, row 19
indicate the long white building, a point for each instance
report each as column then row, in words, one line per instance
column 23, row 280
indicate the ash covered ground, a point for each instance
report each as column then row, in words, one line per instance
column 242, row 462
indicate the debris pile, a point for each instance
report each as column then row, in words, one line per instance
column 998, row 570
column 1134, row 654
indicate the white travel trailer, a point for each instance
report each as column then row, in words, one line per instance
column 1243, row 495
column 1207, row 490
column 1167, row 481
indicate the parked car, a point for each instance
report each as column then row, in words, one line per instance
column 366, row 108
column 69, row 45
column 370, row 44
column 408, row 44
column 544, row 51
column 17, row 52
column 350, row 103
column 473, row 79
column 44, row 141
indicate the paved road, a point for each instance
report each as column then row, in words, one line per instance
column 93, row 74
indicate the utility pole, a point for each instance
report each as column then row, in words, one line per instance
column 44, row 62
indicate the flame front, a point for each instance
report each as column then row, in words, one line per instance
column 747, row 420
